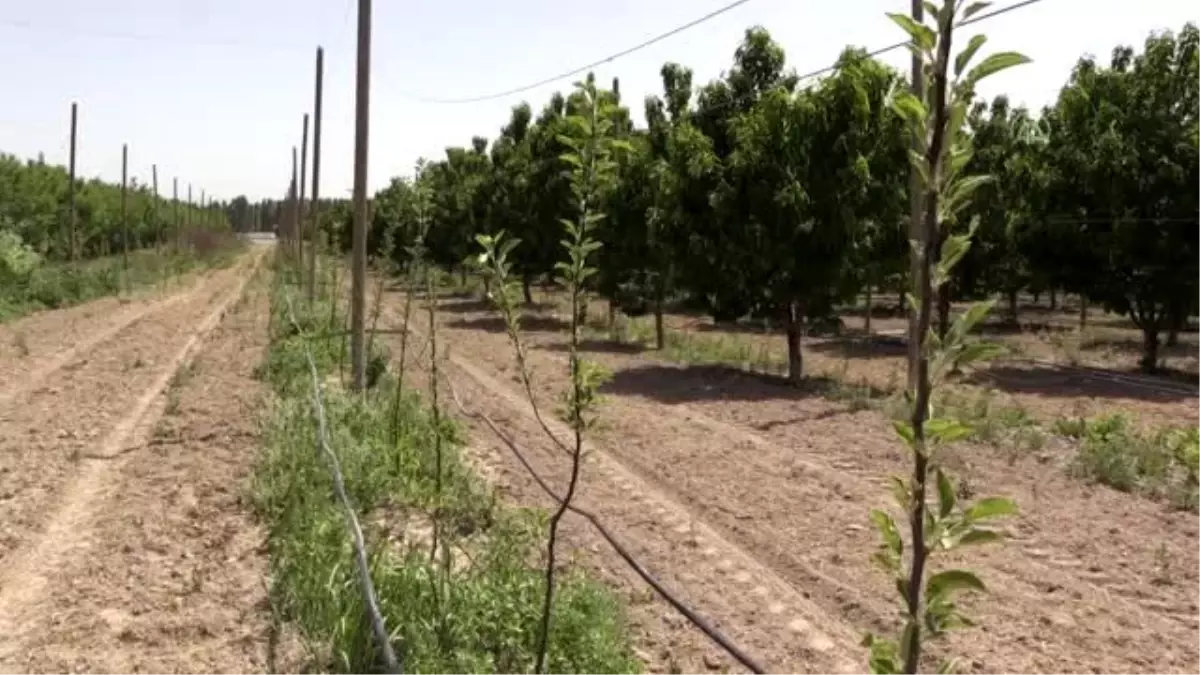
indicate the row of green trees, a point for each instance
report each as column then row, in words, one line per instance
column 35, row 212
column 758, row 195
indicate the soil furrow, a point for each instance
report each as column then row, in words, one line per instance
column 157, row 562
column 33, row 348
column 48, row 481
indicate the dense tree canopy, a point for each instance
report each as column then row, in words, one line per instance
column 34, row 211
column 758, row 194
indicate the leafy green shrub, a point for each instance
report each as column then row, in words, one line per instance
column 1111, row 455
column 1161, row 465
column 17, row 259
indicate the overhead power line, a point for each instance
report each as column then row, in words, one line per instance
column 584, row 68
column 658, row 38
column 900, row 45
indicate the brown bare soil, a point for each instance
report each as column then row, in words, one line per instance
column 124, row 542
column 751, row 501
column 1053, row 372
column 33, row 347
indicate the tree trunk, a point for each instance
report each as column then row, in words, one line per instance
column 900, row 302
column 1037, row 297
column 867, row 320
column 526, row 288
column 1012, row 307
column 795, row 358
column 612, row 317
column 462, row 276
column 1083, row 311
column 1149, row 362
column 1053, row 299
column 659, row 297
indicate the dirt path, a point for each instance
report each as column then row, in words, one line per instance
column 778, row 487
column 34, row 347
column 125, row 546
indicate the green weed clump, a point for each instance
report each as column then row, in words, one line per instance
column 1162, row 464
column 57, row 285
column 466, row 601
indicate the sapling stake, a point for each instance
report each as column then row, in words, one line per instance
column 435, row 410
column 408, row 301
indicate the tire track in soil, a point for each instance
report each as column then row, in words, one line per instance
column 744, row 597
column 49, row 430
column 35, row 347
column 175, row 581
column 720, row 465
column 123, row 405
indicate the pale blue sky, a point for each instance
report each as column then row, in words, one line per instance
column 213, row 90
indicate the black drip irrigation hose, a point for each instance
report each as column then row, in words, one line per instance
column 691, row 615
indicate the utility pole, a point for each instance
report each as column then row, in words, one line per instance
column 293, row 215
column 300, row 203
column 125, row 210
column 915, row 200
column 175, row 207
column 158, row 239
column 315, row 208
column 362, row 113
column 71, row 185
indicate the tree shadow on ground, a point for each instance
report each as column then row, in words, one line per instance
column 1133, row 345
column 878, row 311
column 598, row 346
column 667, row 383
column 771, row 331
column 466, row 305
column 495, row 324
column 1064, row 382
column 1005, row 327
column 469, row 303
column 875, row 347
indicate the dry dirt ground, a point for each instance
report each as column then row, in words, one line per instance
column 1054, row 370
column 750, row 501
column 126, row 434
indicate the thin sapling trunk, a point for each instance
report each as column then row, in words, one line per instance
column 935, row 118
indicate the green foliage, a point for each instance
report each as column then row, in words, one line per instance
column 34, row 207
column 751, row 196
column 482, row 617
column 56, row 284
column 1122, row 162
column 1161, row 465
column 18, row 260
